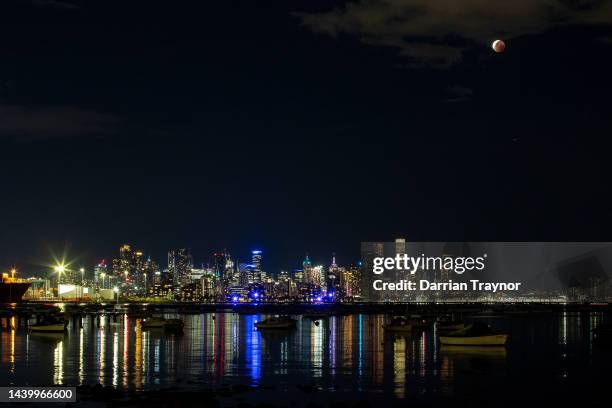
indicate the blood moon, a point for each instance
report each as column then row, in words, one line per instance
column 498, row 46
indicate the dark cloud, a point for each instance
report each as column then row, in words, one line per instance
column 21, row 122
column 437, row 31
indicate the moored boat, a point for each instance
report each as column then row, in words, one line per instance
column 449, row 326
column 11, row 288
column 475, row 334
column 161, row 323
column 57, row 327
column 488, row 352
column 276, row 323
column 486, row 340
column 153, row 323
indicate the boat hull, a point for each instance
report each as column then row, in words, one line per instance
column 48, row 328
column 12, row 292
column 153, row 324
column 488, row 340
column 168, row 324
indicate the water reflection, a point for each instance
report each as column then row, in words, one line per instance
column 338, row 353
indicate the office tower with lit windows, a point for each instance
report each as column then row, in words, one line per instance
column 307, row 272
column 228, row 273
column 101, row 269
column 124, row 267
column 257, row 259
column 333, row 276
column 136, row 274
column 180, row 265
column 148, row 273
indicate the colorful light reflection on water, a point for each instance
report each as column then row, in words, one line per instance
column 345, row 353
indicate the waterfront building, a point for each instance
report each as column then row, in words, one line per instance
column 39, row 289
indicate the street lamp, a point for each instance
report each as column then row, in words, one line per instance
column 145, row 284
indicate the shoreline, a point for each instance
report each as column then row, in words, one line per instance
column 433, row 308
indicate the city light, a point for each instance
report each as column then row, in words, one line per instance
column 135, row 276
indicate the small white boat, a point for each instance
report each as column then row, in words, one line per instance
column 276, row 323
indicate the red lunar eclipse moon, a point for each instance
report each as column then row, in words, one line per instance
column 498, row 46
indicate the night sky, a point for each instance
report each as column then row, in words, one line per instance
column 300, row 126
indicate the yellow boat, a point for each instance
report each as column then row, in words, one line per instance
column 475, row 334
column 487, row 340
column 491, row 352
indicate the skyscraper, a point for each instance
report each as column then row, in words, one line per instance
column 124, row 267
column 256, row 262
column 257, row 258
column 307, row 270
column 180, row 264
column 100, row 269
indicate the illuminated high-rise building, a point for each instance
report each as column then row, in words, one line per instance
column 124, row 267
column 100, row 269
column 334, row 277
column 307, row 273
column 257, row 259
column 180, row 264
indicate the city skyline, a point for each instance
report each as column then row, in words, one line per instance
column 306, row 203
column 290, row 128
column 74, row 263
